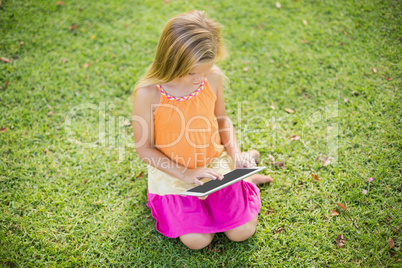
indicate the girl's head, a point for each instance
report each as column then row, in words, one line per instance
column 187, row 40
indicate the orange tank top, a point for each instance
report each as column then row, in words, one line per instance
column 186, row 129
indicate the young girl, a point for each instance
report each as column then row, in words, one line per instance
column 182, row 132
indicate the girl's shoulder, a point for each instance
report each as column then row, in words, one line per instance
column 215, row 79
column 147, row 94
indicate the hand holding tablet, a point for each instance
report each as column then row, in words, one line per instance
column 228, row 179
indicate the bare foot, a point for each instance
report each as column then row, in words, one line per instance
column 259, row 179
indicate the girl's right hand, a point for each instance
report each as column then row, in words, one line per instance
column 193, row 176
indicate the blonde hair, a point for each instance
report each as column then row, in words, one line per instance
column 187, row 40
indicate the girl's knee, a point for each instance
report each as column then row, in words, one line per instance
column 243, row 232
column 196, row 241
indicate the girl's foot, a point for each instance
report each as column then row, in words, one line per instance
column 259, row 179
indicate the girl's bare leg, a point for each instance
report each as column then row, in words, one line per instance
column 257, row 178
column 196, row 241
column 242, row 232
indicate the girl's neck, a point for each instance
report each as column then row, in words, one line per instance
column 178, row 88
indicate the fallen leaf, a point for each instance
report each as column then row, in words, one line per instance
column 19, row 228
column 259, row 26
column 50, row 113
column 6, row 84
column 342, row 206
column 97, row 202
column 245, row 69
column 329, row 128
column 280, row 230
column 127, row 123
column 271, row 158
column 278, row 5
column 5, row 60
column 345, row 33
column 72, row 27
column 295, row 138
column 340, row 242
column 304, row 41
column 86, row 65
column 305, row 22
column 272, row 106
column 141, row 175
column 65, row 60
column 396, row 230
column 246, row 62
column 167, row 1
column 86, row 180
column 334, row 212
column 374, row 70
column 315, row 177
column 341, row 43
column 126, row 26
column 289, row 110
column 390, row 242
column 326, row 161
column 270, row 211
column 3, row 129
column 59, row 3
column 21, row 43
column 390, row 78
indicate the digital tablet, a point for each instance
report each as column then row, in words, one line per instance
column 228, row 179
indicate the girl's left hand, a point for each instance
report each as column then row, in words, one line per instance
column 244, row 160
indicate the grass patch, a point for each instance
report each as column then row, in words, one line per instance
column 69, row 188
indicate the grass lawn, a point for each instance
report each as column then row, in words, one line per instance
column 73, row 190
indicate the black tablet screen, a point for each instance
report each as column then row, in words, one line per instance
column 228, row 177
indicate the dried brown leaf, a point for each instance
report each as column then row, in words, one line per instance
column 289, row 110
column 247, row 62
column 340, row 241
column 141, row 175
column 50, row 113
column 374, row 70
column 315, row 177
column 390, row 242
column 326, row 161
column 341, row 206
column 295, row 138
column 334, row 212
column 270, row 211
column 21, row 43
column 3, row 129
column 97, row 202
column 72, row 27
column 278, row 164
column 86, row 65
column 59, row 3
column 245, row 69
column 86, row 180
column 280, row 230
column 16, row 226
column 390, row 78
column 65, row 60
column 396, row 230
column 5, row 60
column 304, row 41
column 167, row 1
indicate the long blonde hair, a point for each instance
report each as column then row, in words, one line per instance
column 188, row 39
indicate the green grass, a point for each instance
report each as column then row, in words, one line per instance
column 66, row 204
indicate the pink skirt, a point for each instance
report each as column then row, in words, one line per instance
column 221, row 211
